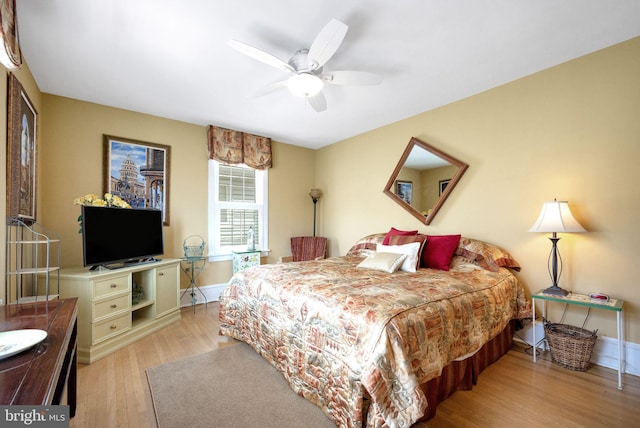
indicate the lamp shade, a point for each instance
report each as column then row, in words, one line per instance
column 315, row 194
column 556, row 217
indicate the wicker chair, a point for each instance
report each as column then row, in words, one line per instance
column 307, row 248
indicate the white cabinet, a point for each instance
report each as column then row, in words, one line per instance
column 109, row 317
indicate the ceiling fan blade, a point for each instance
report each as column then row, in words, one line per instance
column 326, row 43
column 348, row 77
column 260, row 55
column 269, row 88
column 318, row 102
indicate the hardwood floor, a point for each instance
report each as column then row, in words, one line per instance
column 515, row 392
column 113, row 392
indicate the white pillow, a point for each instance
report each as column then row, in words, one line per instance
column 412, row 251
column 386, row 262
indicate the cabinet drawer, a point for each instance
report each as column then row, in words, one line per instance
column 108, row 307
column 112, row 285
column 111, row 327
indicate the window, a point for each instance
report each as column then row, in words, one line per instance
column 237, row 202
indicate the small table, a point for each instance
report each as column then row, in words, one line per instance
column 584, row 300
column 245, row 259
column 192, row 266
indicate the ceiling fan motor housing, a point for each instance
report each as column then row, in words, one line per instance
column 301, row 63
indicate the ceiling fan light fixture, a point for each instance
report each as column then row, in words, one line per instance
column 305, row 84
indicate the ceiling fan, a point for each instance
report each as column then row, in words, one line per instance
column 306, row 66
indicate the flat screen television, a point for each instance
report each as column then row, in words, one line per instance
column 114, row 237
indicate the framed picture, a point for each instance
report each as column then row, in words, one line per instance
column 443, row 185
column 404, row 190
column 138, row 172
column 21, row 153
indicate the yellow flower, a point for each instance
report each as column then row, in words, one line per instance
column 108, row 201
column 86, row 199
column 94, row 200
column 117, row 202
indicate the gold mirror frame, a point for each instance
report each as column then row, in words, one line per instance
column 425, row 216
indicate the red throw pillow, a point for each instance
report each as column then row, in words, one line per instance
column 438, row 251
column 395, row 232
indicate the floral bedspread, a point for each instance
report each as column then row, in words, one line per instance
column 358, row 342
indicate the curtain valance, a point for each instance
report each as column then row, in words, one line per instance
column 235, row 147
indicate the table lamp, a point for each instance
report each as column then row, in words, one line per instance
column 556, row 217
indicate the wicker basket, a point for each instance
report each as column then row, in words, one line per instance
column 570, row 346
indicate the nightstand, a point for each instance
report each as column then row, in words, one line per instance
column 584, row 300
column 245, row 259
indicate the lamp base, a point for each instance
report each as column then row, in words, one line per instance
column 556, row 291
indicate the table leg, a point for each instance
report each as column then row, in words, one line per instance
column 544, row 317
column 620, row 348
column 72, row 383
column 533, row 308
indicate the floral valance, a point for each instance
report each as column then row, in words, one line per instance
column 234, row 147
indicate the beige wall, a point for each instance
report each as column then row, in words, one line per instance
column 571, row 132
column 71, row 147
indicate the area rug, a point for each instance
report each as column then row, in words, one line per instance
column 226, row 388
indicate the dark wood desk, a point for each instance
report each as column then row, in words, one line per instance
column 40, row 375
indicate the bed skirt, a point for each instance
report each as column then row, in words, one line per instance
column 462, row 375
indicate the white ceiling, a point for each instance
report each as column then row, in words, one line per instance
column 171, row 59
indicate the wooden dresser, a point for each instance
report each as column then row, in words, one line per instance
column 46, row 373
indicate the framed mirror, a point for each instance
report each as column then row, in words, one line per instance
column 423, row 179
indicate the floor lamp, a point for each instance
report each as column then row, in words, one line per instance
column 556, row 217
column 315, row 195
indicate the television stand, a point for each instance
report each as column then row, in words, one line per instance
column 107, row 318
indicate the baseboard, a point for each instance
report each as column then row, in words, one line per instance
column 211, row 292
column 605, row 351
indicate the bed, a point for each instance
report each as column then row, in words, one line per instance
column 374, row 344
